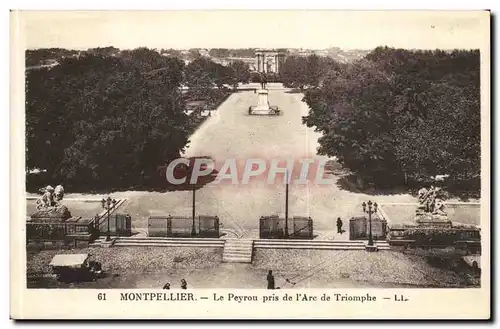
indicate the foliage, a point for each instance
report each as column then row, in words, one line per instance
column 100, row 121
column 171, row 52
column 203, row 74
column 241, row 71
column 401, row 114
column 243, row 52
column 193, row 54
column 300, row 71
column 42, row 56
column 97, row 120
column 104, row 51
column 219, row 52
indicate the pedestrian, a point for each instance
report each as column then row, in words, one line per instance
column 183, row 284
column 270, row 280
column 339, row 226
column 167, row 286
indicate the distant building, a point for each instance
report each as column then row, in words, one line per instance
column 269, row 60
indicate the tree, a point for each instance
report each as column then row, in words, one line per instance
column 294, row 72
column 171, row 52
column 401, row 114
column 46, row 56
column 351, row 112
column 103, row 121
column 104, row 51
column 243, row 52
column 193, row 54
column 203, row 73
column 219, row 52
column 200, row 74
column 241, row 71
column 313, row 70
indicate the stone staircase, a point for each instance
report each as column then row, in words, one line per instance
column 238, row 251
column 101, row 242
column 162, row 242
column 318, row 244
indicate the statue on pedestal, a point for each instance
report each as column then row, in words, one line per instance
column 50, row 197
column 263, row 80
column 431, row 206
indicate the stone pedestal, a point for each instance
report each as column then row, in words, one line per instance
column 263, row 103
column 57, row 214
column 433, row 220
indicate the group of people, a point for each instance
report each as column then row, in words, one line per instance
column 183, row 285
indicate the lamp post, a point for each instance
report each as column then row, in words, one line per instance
column 286, row 207
column 372, row 208
column 193, row 227
column 108, row 204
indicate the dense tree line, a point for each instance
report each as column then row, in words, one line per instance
column 402, row 117
column 300, row 71
column 40, row 56
column 112, row 121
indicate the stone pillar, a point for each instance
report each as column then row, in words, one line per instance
column 275, row 63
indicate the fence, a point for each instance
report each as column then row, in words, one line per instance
column 273, row 227
column 169, row 226
column 359, row 228
column 432, row 237
column 72, row 228
column 119, row 225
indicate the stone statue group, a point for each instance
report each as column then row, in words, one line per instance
column 51, row 197
column 430, row 201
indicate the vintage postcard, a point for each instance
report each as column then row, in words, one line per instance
column 257, row 164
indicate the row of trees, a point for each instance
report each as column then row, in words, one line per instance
column 111, row 121
column 400, row 116
column 300, row 71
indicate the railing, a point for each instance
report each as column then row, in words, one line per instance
column 273, row 227
column 58, row 231
column 177, row 226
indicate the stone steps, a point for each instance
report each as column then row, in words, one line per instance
column 157, row 244
column 168, row 242
column 318, row 244
column 238, row 251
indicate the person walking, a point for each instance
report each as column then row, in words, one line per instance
column 339, row 226
column 270, row 280
column 183, row 284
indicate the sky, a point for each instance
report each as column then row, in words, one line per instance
column 248, row 29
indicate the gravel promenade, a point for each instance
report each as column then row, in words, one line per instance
column 322, row 268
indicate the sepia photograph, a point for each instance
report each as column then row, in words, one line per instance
column 285, row 151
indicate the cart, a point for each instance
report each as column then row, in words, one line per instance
column 75, row 267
